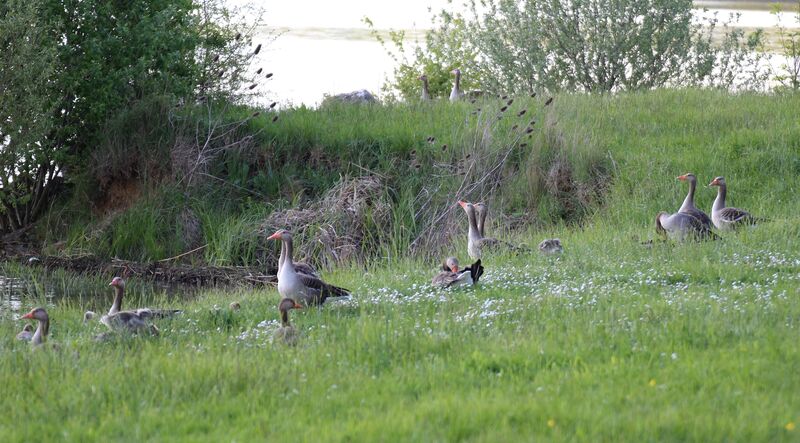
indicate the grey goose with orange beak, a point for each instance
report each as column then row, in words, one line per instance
column 302, row 288
column 451, row 276
column 40, row 336
column 726, row 218
column 688, row 206
column 682, row 227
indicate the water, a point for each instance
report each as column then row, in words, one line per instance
column 326, row 49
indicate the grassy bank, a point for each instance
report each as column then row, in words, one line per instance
column 612, row 341
column 587, row 159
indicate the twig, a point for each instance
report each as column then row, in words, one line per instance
column 185, row 253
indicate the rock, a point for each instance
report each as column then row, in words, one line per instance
column 360, row 96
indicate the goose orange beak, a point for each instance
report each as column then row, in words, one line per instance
column 276, row 235
column 29, row 315
column 297, row 306
column 681, row 177
column 462, row 203
column 713, row 182
column 454, row 269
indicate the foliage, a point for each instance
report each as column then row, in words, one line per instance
column 29, row 161
column 790, row 48
column 109, row 57
column 446, row 48
column 515, row 47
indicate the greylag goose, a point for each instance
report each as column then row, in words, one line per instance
column 298, row 286
column 27, row 333
column 451, row 276
column 455, row 93
column 287, row 333
column 551, row 246
column 475, row 241
column 40, row 336
column 726, row 218
column 426, row 94
column 146, row 313
column 681, row 226
column 129, row 321
column 688, row 206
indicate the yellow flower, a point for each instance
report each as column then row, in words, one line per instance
column 789, row 426
column 552, row 423
column 652, row 383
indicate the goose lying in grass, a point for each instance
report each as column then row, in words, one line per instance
column 298, row 286
column 287, row 333
column 451, row 276
column 726, row 218
column 134, row 321
column 681, row 227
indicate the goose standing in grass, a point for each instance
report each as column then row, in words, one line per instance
column 681, row 227
column 40, row 336
column 688, row 206
column 300, row 287
column 726, row 218
column 27, row 333
column 452, row 276
column 426, row 94
column 475, row 241
column 455, row 93
column 287, row 333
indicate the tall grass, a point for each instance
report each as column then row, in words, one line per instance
column 589, row 159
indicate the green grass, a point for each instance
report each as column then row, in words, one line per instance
column 612, row 341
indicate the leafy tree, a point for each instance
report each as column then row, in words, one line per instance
column 514, row 46
column 29, row 162
column 70, row 66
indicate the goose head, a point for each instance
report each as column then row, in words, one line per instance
column 117, row 282
column 467, row 206
column 451, row 264
column 235, row 306
column 88, row 316
column 718, row 181
column 687, row 177
column 37, row 314
column 27, row 328
column 456, row 72
column 280, row 234
column 423, row 78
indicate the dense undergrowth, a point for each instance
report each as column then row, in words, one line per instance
column 582, row 160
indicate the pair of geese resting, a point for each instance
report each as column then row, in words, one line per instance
column 131, row 321
column 692, row 223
